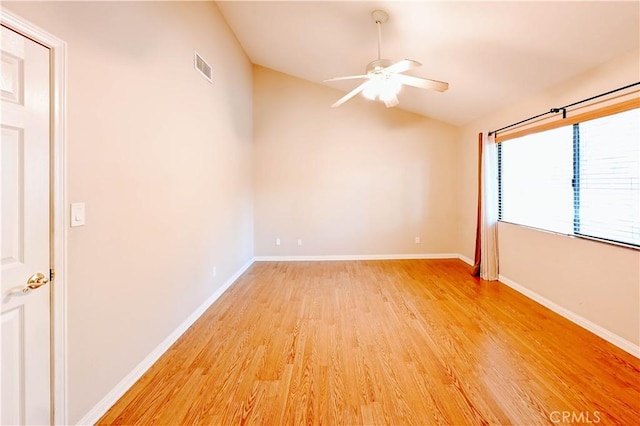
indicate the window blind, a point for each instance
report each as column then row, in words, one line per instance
column 609, row 185
column 580, row 179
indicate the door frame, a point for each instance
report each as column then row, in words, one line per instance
column 58, row 208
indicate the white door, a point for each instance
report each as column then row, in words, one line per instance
column 24, row 188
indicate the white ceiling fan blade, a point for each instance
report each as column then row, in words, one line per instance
column 402, row 66
column 351, row 94
column 423, row 83
column 391, row 102
column 349, row 77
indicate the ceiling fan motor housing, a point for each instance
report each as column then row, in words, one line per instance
column 376, row 67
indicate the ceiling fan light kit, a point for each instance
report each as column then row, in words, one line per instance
column 383, row 88
column 384, row 78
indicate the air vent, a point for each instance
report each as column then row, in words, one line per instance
column 202, row 66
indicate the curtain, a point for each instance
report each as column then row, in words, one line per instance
column 476, row 258
column 486, row 255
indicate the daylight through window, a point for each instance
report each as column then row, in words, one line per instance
column 582, row 179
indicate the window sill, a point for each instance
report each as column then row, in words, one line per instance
column 576, row 236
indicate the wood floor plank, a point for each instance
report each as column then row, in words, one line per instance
column 381, row 342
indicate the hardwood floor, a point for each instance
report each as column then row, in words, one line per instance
column 382, row 342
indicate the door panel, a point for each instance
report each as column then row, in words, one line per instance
column 12, row 197
column 12, row 78
column 12, row 361
column 25, row 388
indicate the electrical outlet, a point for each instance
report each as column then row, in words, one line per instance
column 417, row 240
column 299, row 242
column 277, row 241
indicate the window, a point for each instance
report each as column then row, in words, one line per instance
column 581, row 179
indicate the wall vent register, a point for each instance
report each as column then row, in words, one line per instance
column 203, row 67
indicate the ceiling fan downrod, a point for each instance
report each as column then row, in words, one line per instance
column 379, row 17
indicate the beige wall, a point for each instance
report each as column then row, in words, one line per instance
column 162, row 159
column 597, row 281
column 355, row 180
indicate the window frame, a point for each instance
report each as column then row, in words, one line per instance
column 573, row 121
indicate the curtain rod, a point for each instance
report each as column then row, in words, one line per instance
column 564, row 108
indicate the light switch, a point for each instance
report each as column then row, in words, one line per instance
column 77, row 214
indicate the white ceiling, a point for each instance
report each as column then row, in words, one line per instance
column 491, row 53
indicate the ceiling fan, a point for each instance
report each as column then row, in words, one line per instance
column 385, row 78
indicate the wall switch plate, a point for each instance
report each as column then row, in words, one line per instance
column 277, row 241
column 77, row 214
column 215, row 271
column 299, row 242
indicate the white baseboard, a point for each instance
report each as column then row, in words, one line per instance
column 596, row 329
column 466, row 260
column 357, row 257
column 116, row 393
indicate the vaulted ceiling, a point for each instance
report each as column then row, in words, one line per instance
column 491, row 53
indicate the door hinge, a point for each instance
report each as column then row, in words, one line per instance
column 52, row 274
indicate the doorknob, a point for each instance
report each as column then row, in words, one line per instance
column 35, row 281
